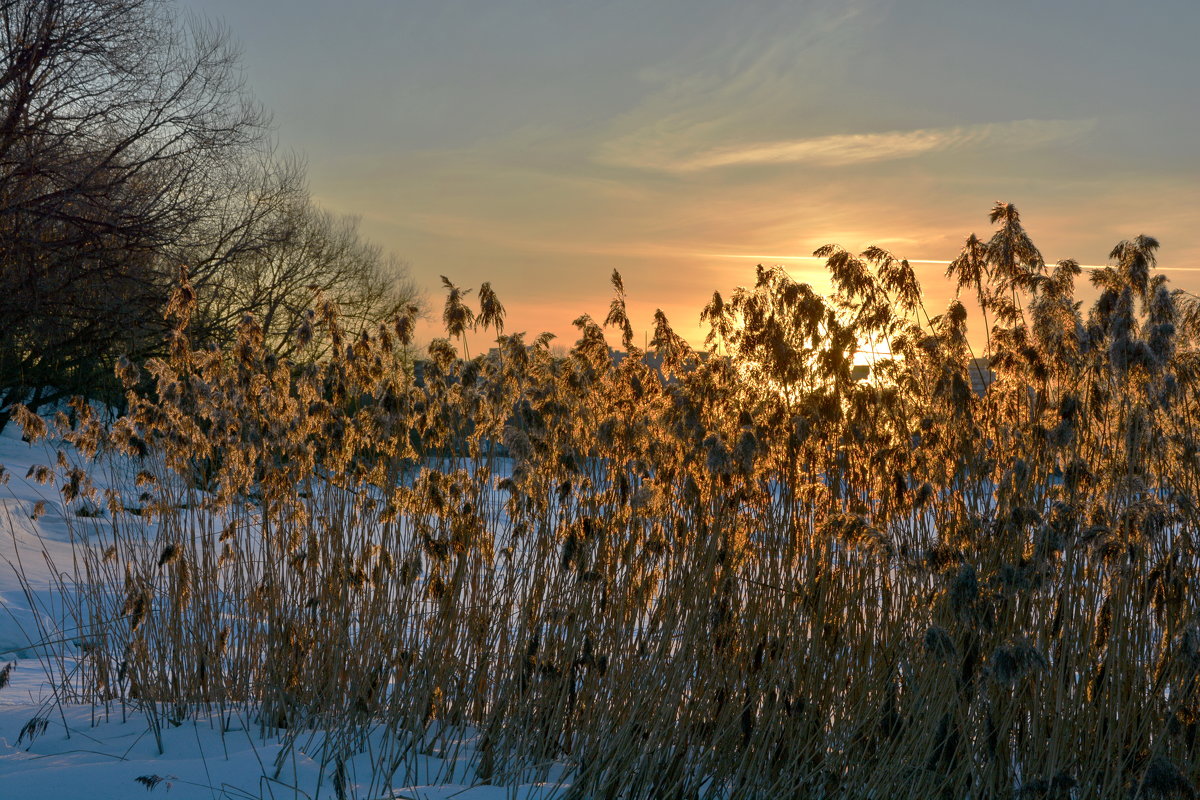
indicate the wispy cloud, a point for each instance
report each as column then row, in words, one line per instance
column 856, row 148
column 750, row 80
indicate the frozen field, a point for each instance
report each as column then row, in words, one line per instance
column 50, row 749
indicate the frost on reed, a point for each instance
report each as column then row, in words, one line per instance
column 738, row 573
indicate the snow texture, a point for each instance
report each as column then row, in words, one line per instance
column 53, row 750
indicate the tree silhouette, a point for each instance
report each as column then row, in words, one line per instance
column 129, row 146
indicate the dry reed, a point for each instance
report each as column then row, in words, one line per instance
column 736, row 573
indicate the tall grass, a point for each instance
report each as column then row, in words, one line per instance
column 738, row 573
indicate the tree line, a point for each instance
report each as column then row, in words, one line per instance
column 130, row 147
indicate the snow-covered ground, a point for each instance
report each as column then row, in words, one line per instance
column 32, row 551
column 81, row 754
column 50, row 749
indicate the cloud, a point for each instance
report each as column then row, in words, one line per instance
column 852, row 148
column 756, row 76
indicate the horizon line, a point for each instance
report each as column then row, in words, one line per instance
column 909, row 260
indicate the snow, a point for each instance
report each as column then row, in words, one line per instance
column 97, row 752
column 32, row 551
column 79, row 756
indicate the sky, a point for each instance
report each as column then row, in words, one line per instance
column 540, row 144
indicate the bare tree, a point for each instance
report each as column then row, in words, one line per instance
column 112, row 116
column 129, row 146
column 317, row 252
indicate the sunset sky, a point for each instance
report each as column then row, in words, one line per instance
column 539, row 144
